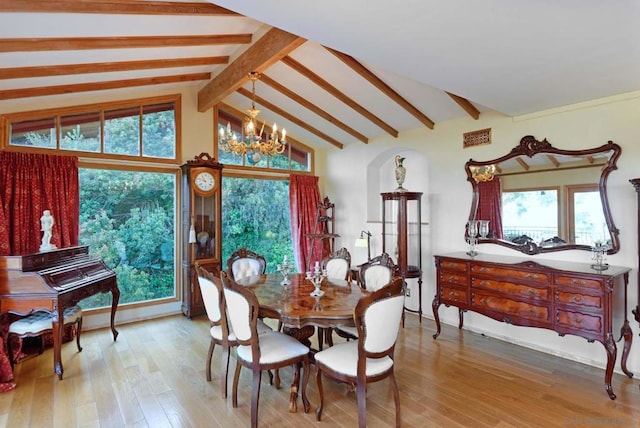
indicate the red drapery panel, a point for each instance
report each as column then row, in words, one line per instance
column 304, row 197
column 32, row 183
column 490, row 205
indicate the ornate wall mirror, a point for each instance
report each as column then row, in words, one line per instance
column 539, row 199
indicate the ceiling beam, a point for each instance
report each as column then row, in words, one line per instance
column 553, row 160
column 314, row 108
column 356, row 66
column 266, row 51
column 84, row 43
column 291, row 118
column 523, row 164
column 103, row 67
column 339, row 94
column 466, row 105
column 115, row 7
column 100, row 86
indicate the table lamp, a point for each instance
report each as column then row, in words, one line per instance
column 363, row 242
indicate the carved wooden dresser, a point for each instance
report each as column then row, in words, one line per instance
column 566, row 297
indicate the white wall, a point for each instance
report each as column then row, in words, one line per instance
column 439, row 154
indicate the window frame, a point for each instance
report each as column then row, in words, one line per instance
column 176, row 99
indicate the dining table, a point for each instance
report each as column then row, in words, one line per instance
column 299, row 311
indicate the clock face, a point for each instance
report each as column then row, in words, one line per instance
column 204, row 181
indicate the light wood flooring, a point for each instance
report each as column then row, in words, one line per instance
column 154, row 376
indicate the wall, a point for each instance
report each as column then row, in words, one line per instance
column 447, row 199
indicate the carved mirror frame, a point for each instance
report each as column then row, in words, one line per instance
column 529, row 147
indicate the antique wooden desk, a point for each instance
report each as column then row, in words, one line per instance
column 568, row 298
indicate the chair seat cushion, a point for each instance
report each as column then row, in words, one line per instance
column 41, row 321
column 274, row 347
column 216, row 331
column 343, row 358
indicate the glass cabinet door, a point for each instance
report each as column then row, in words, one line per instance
column 401, row 237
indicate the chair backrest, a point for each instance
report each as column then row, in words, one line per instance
column 245, row 263
column 211, row 289
column 338, row 264
column 377, row 318
column 242, row 311
column 377, row 272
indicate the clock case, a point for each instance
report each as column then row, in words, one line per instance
column 203, row 210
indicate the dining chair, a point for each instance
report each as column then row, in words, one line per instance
column 40, row 322
column 214, row 305
column 244, row 263
column 373, row 274
column 370, row 358
column 338, row 266
column 260, row 352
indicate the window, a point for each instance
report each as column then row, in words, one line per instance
column 134, row 130
column 256, row 216
column 128, row 219
column 586, row 220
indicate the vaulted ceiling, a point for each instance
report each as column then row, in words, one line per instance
column 334, row 73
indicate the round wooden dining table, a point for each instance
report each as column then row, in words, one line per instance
column 295, row 307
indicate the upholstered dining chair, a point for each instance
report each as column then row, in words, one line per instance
column 40, row 322
column 370, row 358
column 373, row 274
column 213, row 298
column 338, row 266
column 260, row 352
column 243, row 263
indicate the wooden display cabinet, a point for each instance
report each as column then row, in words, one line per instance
column 201, row 210
column 402, row 237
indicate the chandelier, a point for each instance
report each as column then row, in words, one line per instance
column 252, row 142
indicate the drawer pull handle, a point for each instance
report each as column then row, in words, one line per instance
column 577, row 299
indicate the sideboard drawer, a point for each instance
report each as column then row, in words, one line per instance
column 507, row 306
column 453, row 278
column 452, row 295
column 539, row 277
column 453, row 265
column 578, row 299
column 509, row 288
column 576, row 281
column 579, row 321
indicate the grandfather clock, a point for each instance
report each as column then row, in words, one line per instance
column 402, row 237
column 201, row 226
column 636, row 185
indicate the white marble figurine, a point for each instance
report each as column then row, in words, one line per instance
column 46, row 221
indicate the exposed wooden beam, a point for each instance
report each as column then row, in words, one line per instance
column 523, row 164
column 269, row 49
column 338, row 94
column 291, row 118
column 102, row 67
column 115, row 7
column 84, row 43
column 229, row 109
column 100, row 86
column 313, row 107
column 363, row 71
column 466, row 105
column 553, row 160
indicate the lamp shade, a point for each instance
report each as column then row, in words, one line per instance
column 361, row 243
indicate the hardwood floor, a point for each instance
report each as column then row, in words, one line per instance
column 154, row 376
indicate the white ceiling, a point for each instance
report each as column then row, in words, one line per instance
column 511, row 56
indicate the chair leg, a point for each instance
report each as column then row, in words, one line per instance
column 212, row 345
column 255, row 396
column 236, row 377
column 329, row 336
column 305, row 381
column 361, row 394
column 396, row 396
column 79, row 328
column 320, row 392
column 293, row 390
column 224, row 370
column 10, row 351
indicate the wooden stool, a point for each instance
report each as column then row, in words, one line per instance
column 40, row 322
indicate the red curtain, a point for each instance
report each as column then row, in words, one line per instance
column 490, row 205
column 32, row 183
column 304, row 197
